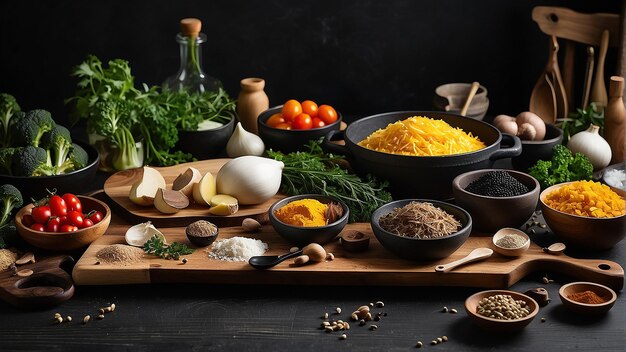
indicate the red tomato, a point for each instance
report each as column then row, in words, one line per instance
column 95, row 216
column 291, row 109
column 284, row 126
column 75, row 218
column 27, row 220
column 72, row 202
column 86, row 223
column 68, row 228
column 309, row 107
column 327, row 114
column 53, row 224
column 57, row 206
column 317, row 123
column 275, row 120
column 38, row 227
column 302, row 122
column 41, row 214
column 62, row 220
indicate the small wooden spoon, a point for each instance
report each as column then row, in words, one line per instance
column 598, row 89
column 470, row 96
column 555, row 248
column 588, row 76
column 476, row 254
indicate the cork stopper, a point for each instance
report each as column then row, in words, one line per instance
column 190, row 27
column 616, row 86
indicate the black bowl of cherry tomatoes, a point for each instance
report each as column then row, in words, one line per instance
column 63, row 223
column 289, row 127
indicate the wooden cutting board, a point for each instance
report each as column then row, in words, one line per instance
column 376, row 266
column 117, row 187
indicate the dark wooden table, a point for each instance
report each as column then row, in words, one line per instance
column 287, row 318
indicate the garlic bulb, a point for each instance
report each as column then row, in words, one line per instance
column 250, row 179
column 139, row 234
column 242, row 143
column 592, row 145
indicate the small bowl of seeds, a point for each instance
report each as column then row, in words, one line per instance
column 510, row 242
column 501, row 310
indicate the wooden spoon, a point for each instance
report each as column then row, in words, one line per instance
column 548, row 98
column 476, row 254
column 598, row 90
column 588, row 76
column 470, row 96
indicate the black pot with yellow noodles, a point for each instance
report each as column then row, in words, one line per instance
column 421, row 176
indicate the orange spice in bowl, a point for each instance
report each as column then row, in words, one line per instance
column 309, row 213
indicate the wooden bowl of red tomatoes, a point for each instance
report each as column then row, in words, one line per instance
column 63, row 223
column 289, row 127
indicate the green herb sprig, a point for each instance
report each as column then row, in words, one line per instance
column 156, row 246
column 319, row 173
column 580, row 120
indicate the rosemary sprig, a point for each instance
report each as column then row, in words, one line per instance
column 156, row 246
column 319, row 173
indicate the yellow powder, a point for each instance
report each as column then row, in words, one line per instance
column 422, row 136
column 303, row 212
column 587, row 198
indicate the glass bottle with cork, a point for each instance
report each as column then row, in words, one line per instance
column 190, row 75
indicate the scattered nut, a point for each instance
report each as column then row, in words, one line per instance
column 101, row 311
column 368, row 316
column 433, row 342
column 184, row 260
column 445, row 309
column 543, row 320
column 338, row 310
column 343, row 337
column 86, row 319
column 364, row 308
column 354, row 316
column 439, row 340
column 59, row 320
column 325, row 316
column 373, row 327
column 453, row 311
column 419, row 344
column 444, row 338
column 250, row 225
column 361, row 322
column 112, row 307
column 68, row 318
column 330, row 256
column 380, row 304
column 101, row 316
column 371, row 304
column 328, row 329
column 56, row 315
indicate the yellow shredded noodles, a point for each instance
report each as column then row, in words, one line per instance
column 422, row 136
column 587, row 198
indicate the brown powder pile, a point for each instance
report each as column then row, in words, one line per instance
column 7, row 258
column 119, row 254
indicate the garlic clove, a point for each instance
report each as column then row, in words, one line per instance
column 242, row 143
column 138, row 235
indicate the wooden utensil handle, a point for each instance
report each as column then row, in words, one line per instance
column 604, row 272
column 472, row 257
column 470, row 96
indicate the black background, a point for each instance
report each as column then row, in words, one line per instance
column 363, row 57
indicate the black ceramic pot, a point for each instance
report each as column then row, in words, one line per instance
column 206, row 144
column 76, row 182
column 538, row 150
column 419, row 176
column 290, row 140
column 422, row 249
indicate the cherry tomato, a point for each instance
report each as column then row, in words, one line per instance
column 284, row 126
column 86, row 223
column 27, row 220
column 317, row 123
column 327, row 114
column 75, row 218
column 302, row 122
column 72, row 202
column 41, row 214
column 63, row 220
column 275, row 120
column 38, row 227
column 309, row 107
column 57, row 206
column 95, row 216
column 68, row 228
column 53, row 224
column 291, row 109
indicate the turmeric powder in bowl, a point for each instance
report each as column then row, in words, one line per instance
column 303, row 212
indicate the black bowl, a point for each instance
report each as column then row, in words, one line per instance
column 205, row 144
column 538, row 150
column 420, row 176
column 288, row 141
column 422, row 249
column 76, row 182
column 301, row 236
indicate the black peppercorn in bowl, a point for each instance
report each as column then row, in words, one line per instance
column 499, row 206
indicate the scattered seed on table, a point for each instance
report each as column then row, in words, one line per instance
column 56, row 315
column 68, row 318
column 338, row 310
column 453, row 311
column 59, row 320
column 330, row 256
column 371, row 304
column 532, row 231
column 329, row 329
column 362, row 322
column 112, row 307
column 377, row 318
column 325, row 316
column 543, row 320
column 343, row 337
column 445, row 309
column 86, row 319
column 373, row 327
column 419, row 344
column 433, row 342
column 439, row 340
column 101, row 316
column 354, row 317
column 380, row 304
column 184, row 260
column 543, row 226
column 444, row 338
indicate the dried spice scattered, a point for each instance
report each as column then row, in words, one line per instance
column 420, row 220
column 119, row 254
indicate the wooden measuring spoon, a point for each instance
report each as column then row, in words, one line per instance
column 588, row 76
column 470, row 96
column 549, row 106
column 476, row 254
column 598, row 89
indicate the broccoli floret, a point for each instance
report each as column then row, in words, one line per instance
column 563, row 167
column 76, row 160
column 58, row 143
column 8, row 108
column 581, row 167
column 32, row 161
column 6, row 160
column 541, row 171
column 10, row 198
column 32, row 127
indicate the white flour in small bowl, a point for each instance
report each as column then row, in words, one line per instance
column 237, row 249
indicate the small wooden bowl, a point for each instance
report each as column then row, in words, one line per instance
column 66, row 241
column 510, row 252
column 497, row 325
column 583, row 308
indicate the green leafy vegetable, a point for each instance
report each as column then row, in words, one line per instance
column 156, row 246
column 563, row 167
column 8, row 110
column 580, row 120
column 10, row 198
column 319, row 173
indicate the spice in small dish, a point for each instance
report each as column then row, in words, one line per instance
column 237, row 249
column 511, row 241
column 201, row 233
column 309, row 213
column 587, row 297
column 497, row 184
column 420, row 220
column 502, row 307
